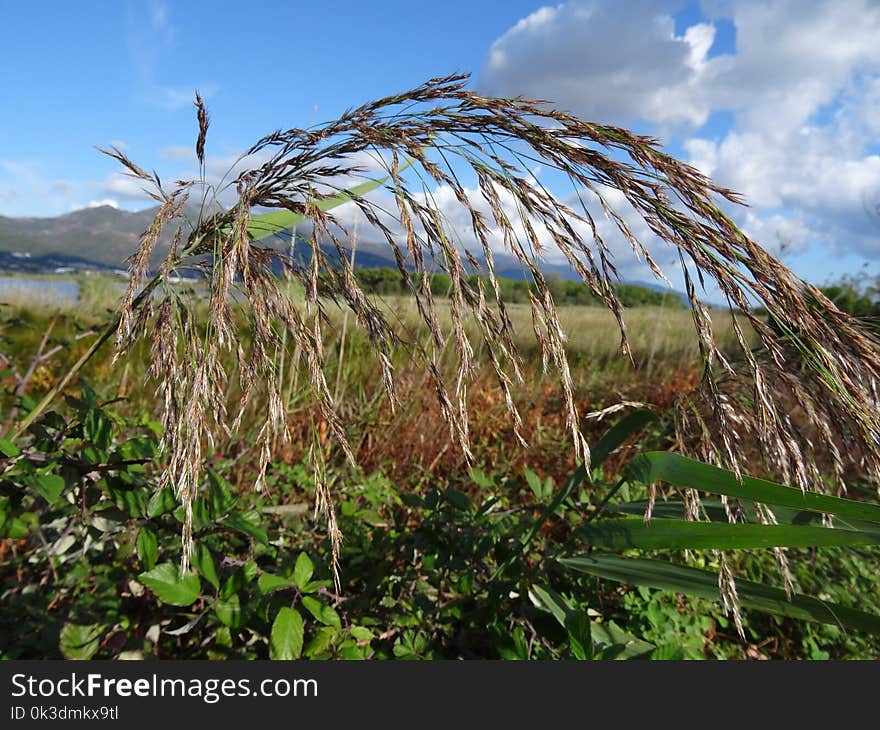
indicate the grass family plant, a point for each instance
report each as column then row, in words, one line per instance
column 417, row 150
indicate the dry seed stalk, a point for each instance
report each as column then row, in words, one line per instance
column 828, row 364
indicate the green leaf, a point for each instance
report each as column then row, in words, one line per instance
column 80, row 642
column 228, row 611
column 457, row 499
column 683, row 472
column 362, row 633
column 97, row 429
column 11, row 525
column 203, row 561
column 303, row 570
column 664, row 534
column 268, row 224
column 695, row 582
column 268, row 583
column 248, row 523
column 221, row 495
column 286, row 639
column 138, row 448
column 612, row 642
column 535, row 484
column 351, row 651
column 49, row 486
column 561, row 495
column 714, row 510
column 8, row 449
column 321, row 642
column 573, row 620
column 147, row 547
column 629, row 425
column 161, row 503
column 325, row 614
column 166, row 582
column 549, row 600
column 580, row 639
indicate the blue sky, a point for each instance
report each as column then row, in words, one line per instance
column 779, row 100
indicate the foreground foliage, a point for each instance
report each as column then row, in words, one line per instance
column 487, row 567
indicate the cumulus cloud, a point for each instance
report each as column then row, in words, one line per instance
column 801, row 86
column 598, row 62
column 122, row 186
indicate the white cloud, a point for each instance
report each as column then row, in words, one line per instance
column 595, row 61
column 803, row 87
column 120, row 185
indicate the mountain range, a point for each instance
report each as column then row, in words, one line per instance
column 103, row 237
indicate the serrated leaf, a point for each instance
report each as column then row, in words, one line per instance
column 286, row 638
column 137, row 448
column 303, row 570
column 321, row 642
column 170, row 587
column 147, row 547
column 351, row 651
column 80, row 642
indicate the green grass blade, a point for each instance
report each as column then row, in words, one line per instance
column 674, row 509
column 633, row 532
column 683, row 472
column 268, row 224
column 627, row 426
column 702, row 583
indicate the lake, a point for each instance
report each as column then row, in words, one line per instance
column 52, row 292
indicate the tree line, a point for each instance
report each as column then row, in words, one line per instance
column 390, row 282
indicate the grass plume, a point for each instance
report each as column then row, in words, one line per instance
column 826, row 363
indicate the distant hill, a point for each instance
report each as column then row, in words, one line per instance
column 103, row 237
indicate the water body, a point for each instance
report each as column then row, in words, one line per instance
column 52, row 292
